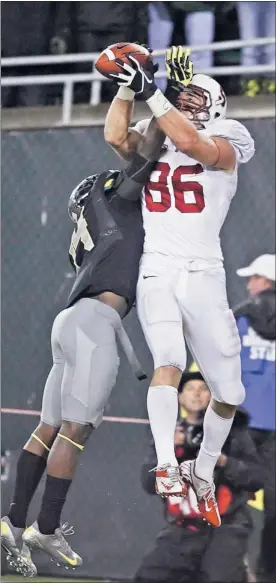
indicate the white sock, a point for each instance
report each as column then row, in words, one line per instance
column 216, row 430
column 162, row 405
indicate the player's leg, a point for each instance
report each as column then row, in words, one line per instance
column 89, row 346
column 161, row 322
column 32, row 463
column 212, row 336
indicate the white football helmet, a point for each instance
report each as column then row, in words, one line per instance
column 204, row 100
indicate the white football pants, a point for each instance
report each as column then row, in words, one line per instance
column 193, row 304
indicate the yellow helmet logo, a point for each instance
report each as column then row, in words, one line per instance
column 194, row 367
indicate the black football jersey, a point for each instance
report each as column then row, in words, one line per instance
column 107, row 242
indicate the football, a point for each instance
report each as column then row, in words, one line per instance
column 105, row 63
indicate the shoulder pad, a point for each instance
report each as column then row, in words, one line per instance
column 238, row 135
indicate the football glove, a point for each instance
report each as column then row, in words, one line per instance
column 136, row 77
column 179, row 66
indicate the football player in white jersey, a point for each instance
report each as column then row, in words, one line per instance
column 181, row 290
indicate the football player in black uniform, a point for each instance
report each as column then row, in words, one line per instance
column 105, row 250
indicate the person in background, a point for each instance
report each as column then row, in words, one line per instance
column 26, row 29
column 62, row 41
column 199, row 21
column 257, row 19
column 256, row 321
column 187, row 549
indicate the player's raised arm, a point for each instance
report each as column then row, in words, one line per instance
column 210, row 151
column 197, row 102
column 118, row 134
column 131, row 180
column 127, row 141
column 116, row 130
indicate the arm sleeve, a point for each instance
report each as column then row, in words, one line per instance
column 240, row 138
column 242, row 469
column 131, row 180
column 152, row 140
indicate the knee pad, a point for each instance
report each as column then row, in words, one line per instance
column 231, row 393
column 237, row 394
column 85, row 392
column 170, row 356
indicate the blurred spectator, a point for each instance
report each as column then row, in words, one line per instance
column 25, row 31
column 62, row 41
column 199, row 20
column 188, row 550
column 257, row 19
column 101, row 24
column 256, row 320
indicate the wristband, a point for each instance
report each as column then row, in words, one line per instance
column 159, row 104
column 125, row 94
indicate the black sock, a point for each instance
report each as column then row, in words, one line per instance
column 29, row 471
column 52, row 504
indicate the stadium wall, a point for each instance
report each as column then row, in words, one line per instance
column 39, row 170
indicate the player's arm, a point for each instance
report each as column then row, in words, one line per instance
column 116, row 130
column 126, row 141
column 210, row 151
column 215, row 151
column 131, row 180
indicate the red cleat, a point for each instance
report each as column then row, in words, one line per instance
column 169, row 481
column 204, row 492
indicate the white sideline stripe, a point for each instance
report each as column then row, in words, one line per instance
column 34, row 413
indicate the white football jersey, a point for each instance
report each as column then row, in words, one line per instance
column 185, row 203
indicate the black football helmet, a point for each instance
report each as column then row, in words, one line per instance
column 78, row 196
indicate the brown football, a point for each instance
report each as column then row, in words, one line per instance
column 105, row 63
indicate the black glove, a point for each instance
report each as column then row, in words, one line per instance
column 138, row 78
